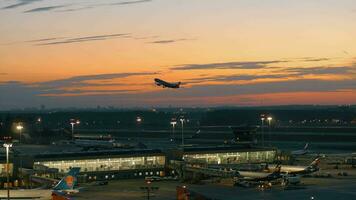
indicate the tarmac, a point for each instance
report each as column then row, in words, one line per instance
column 335, row 187
column 311, row 189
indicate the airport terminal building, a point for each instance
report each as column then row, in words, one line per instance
column 139, row 163
column 102, row 165
column 227, row 155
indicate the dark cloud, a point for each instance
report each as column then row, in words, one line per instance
column 164, row 41
column 35, row 41
column 84, row 92
column 22, row 95
column 283, row 73
column 77, row 81
column 146, row 37
column 82, row 80
column 20, row 3
column 84, row 39
column 75, row 9
column 104, row 4
column 44, row 9
column 169, row 41
column 130, row 2
column 17, row 95
column 228, row 65
column 229, row 78
column 221, row 90
column 347, row 70
column 68, row 40
column 10, row 83
column 45, row 39
column 311, row 59
column 3, row 74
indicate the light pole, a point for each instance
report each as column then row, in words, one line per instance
column 263, row 134
column 182, row 122
column 149, row 189
column 173, row 123
column 39, row 127
column 19, row 128
column 138, row 121
column 7, row 146
column 74, row 122
column 269, row 129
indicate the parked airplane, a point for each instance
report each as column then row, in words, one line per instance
column 165, row 84
column 92, row 144
column 65, row 186
column 248, row 178
column 299, row 170
column 67, row 183
column 301, row 151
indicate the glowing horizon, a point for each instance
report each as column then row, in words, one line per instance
column 226, row 52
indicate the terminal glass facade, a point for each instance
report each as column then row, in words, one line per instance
column 232, row 157
column 107, row 164
column 3, row 169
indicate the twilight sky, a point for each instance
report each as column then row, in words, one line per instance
column 83, row 53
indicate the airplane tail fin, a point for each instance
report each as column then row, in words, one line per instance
column 306, row 146
column 277, row 169
column 315, row 162
column 69, row 180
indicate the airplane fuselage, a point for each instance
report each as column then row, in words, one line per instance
column 165, row 84
column 296, row 169
column 258, row 176
column 299, row 152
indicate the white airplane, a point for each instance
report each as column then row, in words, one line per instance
column 108, row 144
column 249, row 178
column 299, row 170
column 165, row 84
column 301, row 151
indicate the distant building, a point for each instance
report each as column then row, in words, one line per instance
column 101, row 165
column 234, row 154
column 3, row 167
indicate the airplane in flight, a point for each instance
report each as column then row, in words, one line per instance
column 165, row 84
column 301, row 151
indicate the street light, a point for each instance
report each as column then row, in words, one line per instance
column 7, row 146
column 173, row 123
column 74, row 122
column 19, row 128
column 139, row 121
column 269, row 119
column 263, row 134
column 182, row 122
column 149, row 189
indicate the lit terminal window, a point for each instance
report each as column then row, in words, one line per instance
column 107, row 164
column 232, row 157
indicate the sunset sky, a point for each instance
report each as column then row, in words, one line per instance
column 84, row 53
